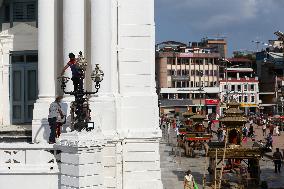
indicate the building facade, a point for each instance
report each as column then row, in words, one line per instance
column 118, row 35
column 18, row 62
column 270, row 69
column 240, row 84
column 184, row 72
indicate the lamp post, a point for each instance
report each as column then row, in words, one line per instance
column 81, row 106
column 201, row 88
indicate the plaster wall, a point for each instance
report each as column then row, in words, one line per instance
column 19, row 38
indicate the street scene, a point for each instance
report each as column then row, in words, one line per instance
column 175, row 163
column 141, row 94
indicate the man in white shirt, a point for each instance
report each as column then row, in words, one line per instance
column 54, row 112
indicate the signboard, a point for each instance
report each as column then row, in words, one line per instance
column 248, row 105
column 211, row 101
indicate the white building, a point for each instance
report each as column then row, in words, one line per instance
column 117, row 34
column 241, row 85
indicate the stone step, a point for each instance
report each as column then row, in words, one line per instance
column 15, row 133
column 12, row 139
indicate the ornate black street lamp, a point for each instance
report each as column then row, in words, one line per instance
column 81, row 106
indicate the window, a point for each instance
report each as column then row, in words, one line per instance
column 170, row 61
column 24, row 11
column 211, row 72
column 178, row 61
column 245, row 98
column 240, row 99
column 252, row 98
column 239, row 88
column 7, row 13
column 192, row 72
column 233, row 88
column 172, row 72
column 18, row 58
column 215, row 72
column 191, row 84
column 252, row 87
column 245, row 87
column 186, row 61
column 178, row 84
column 206, row 72
column 225, row 87
column 31, row 58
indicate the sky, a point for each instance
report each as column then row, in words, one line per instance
column 240, row 21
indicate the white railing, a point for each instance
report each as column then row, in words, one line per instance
column 28, row 158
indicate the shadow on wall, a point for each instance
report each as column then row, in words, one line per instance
column 44, row 128
column 64, row 107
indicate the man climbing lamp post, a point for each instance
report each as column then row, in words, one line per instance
column 80, row 106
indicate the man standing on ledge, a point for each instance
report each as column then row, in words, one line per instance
column 76, row 74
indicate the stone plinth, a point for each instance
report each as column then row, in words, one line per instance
column 81, row 160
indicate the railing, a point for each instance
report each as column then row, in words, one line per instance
column 24, row 158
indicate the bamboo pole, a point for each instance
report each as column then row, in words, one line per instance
column 223, row 159
column 215, row 172
column 204, row 174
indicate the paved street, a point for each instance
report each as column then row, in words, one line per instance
column 174, row 167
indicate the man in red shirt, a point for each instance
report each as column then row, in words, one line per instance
column 76, row 74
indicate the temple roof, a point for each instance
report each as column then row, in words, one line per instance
column 233, row 119
column 233, row 111
column 198, row 116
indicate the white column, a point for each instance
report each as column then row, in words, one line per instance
column 73, row 31
column 46, row 48
column 101, row 34
column 103, row 48
column 47, row 59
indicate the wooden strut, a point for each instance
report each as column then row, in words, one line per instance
column 223, row 160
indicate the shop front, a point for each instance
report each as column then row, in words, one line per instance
column 212, row 106
column 249, row 108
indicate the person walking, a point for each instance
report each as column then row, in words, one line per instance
column 269, row 140
column 245, row 131
column 54, row 113
column 250, row 134
column 271, row 128
column 264, row 129
column 277, row 131
column 277, row 158
column 188, row 182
